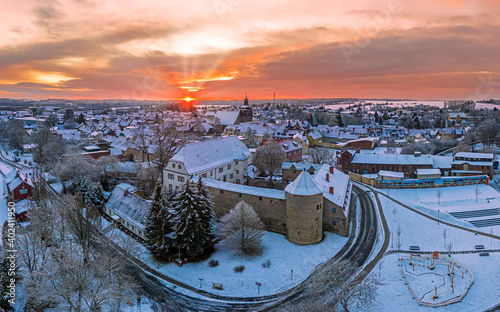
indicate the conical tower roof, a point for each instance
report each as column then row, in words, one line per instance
column 303, row 185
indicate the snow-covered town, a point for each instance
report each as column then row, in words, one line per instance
column 249, row 156
column 224, row 208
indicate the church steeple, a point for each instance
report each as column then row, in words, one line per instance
column 245, row 101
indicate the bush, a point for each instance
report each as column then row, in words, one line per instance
column 239, row 269
column 213, row 263
column 266, row 263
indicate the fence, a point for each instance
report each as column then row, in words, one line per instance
column 420, row 183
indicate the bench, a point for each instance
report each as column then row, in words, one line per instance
column 484, row 254
column 414, row 248
column 479, row 246
column 217, row 286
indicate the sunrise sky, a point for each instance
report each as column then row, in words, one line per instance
column 220, row 49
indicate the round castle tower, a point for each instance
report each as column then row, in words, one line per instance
column 304, row 211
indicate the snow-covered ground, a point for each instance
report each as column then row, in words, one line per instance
column 394, row 295
column 426, row 233
column 453, row 200
column 283, row 255
column 417, row 230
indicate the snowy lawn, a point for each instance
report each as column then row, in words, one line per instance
column 394, row 294
column 283, row 255
column 420, row 231
column 453, row 199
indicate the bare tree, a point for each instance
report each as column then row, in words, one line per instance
column 449, row 248
column 477, row 191
column 147, row 178
column 166, row 139
column 268, row 159
column 322, row 156
column 439, row 194
column 394, row 212
column 444, row 237
column 399, row 243
column 243, row 229
column 251, row 137
column 333, row 285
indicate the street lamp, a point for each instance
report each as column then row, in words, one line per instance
column 201, row 281
column 291, row 275
column 438, row 216
column 258, row 287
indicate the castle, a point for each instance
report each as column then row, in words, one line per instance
column 302, row 211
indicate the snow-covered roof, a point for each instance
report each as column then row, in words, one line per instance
column 243, row 189
column 392, row 174
column 395, row 159
column 303, row 185
column 227, row 117
column 474, row 155
column 341, row 186
column 442, row 162
column 428, row 171
column 128, row 206
column 202, row 156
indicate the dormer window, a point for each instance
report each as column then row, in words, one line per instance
column 173, row 165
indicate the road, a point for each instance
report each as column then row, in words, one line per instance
column 166, row 298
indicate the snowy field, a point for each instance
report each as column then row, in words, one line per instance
column 283, row 255
column 417, row 230
column 483, row 294
column 453, row 204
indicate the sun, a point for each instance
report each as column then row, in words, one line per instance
column 188, row 99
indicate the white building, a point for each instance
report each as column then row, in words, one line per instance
column 224, row 159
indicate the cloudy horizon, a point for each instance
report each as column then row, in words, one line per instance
column 220, row 49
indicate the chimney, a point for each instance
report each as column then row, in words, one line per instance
column 125, row 192
column 327, row 177
column 417, row 154
column 331, row 189
column 331, row 169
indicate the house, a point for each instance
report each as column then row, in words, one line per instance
column 353, row 161
column 18, row 185
column 428, row 174
column 127, row 210
column 478, row 163
column 223, row 159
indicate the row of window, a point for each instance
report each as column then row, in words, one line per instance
column 176, row 166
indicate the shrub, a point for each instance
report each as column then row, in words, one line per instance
column 266, row 263
column 239, row 269
column 213, row 263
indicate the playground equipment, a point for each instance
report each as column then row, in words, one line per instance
column 421, row 274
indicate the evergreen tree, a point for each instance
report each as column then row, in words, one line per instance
column 192, row 221
column 91, row 191
column 81, row 119
column 158, row 221
column 206, row 207
column 340, row 123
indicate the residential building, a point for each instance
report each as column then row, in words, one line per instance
column 223, row 159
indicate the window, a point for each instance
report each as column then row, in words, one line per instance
column 334, row 222
column 260, row 197
column 177, row 188
column 23, row 191
column 170, row 176
column 180, row 179
column 221, row 169
column 228, row 166
column 239, row 195
column 204, row 175
column 237, row 172
column 231, row 176
column 334, row 210
column 211, row 173
column 170, row 186
column 236, row 163
column 221, row 191
column 318, row 206
column 179, row 166
column 173, row 165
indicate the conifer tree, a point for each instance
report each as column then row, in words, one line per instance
column 206, row 207
column 4, row 283
column 192, row 221
column 157, row 222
